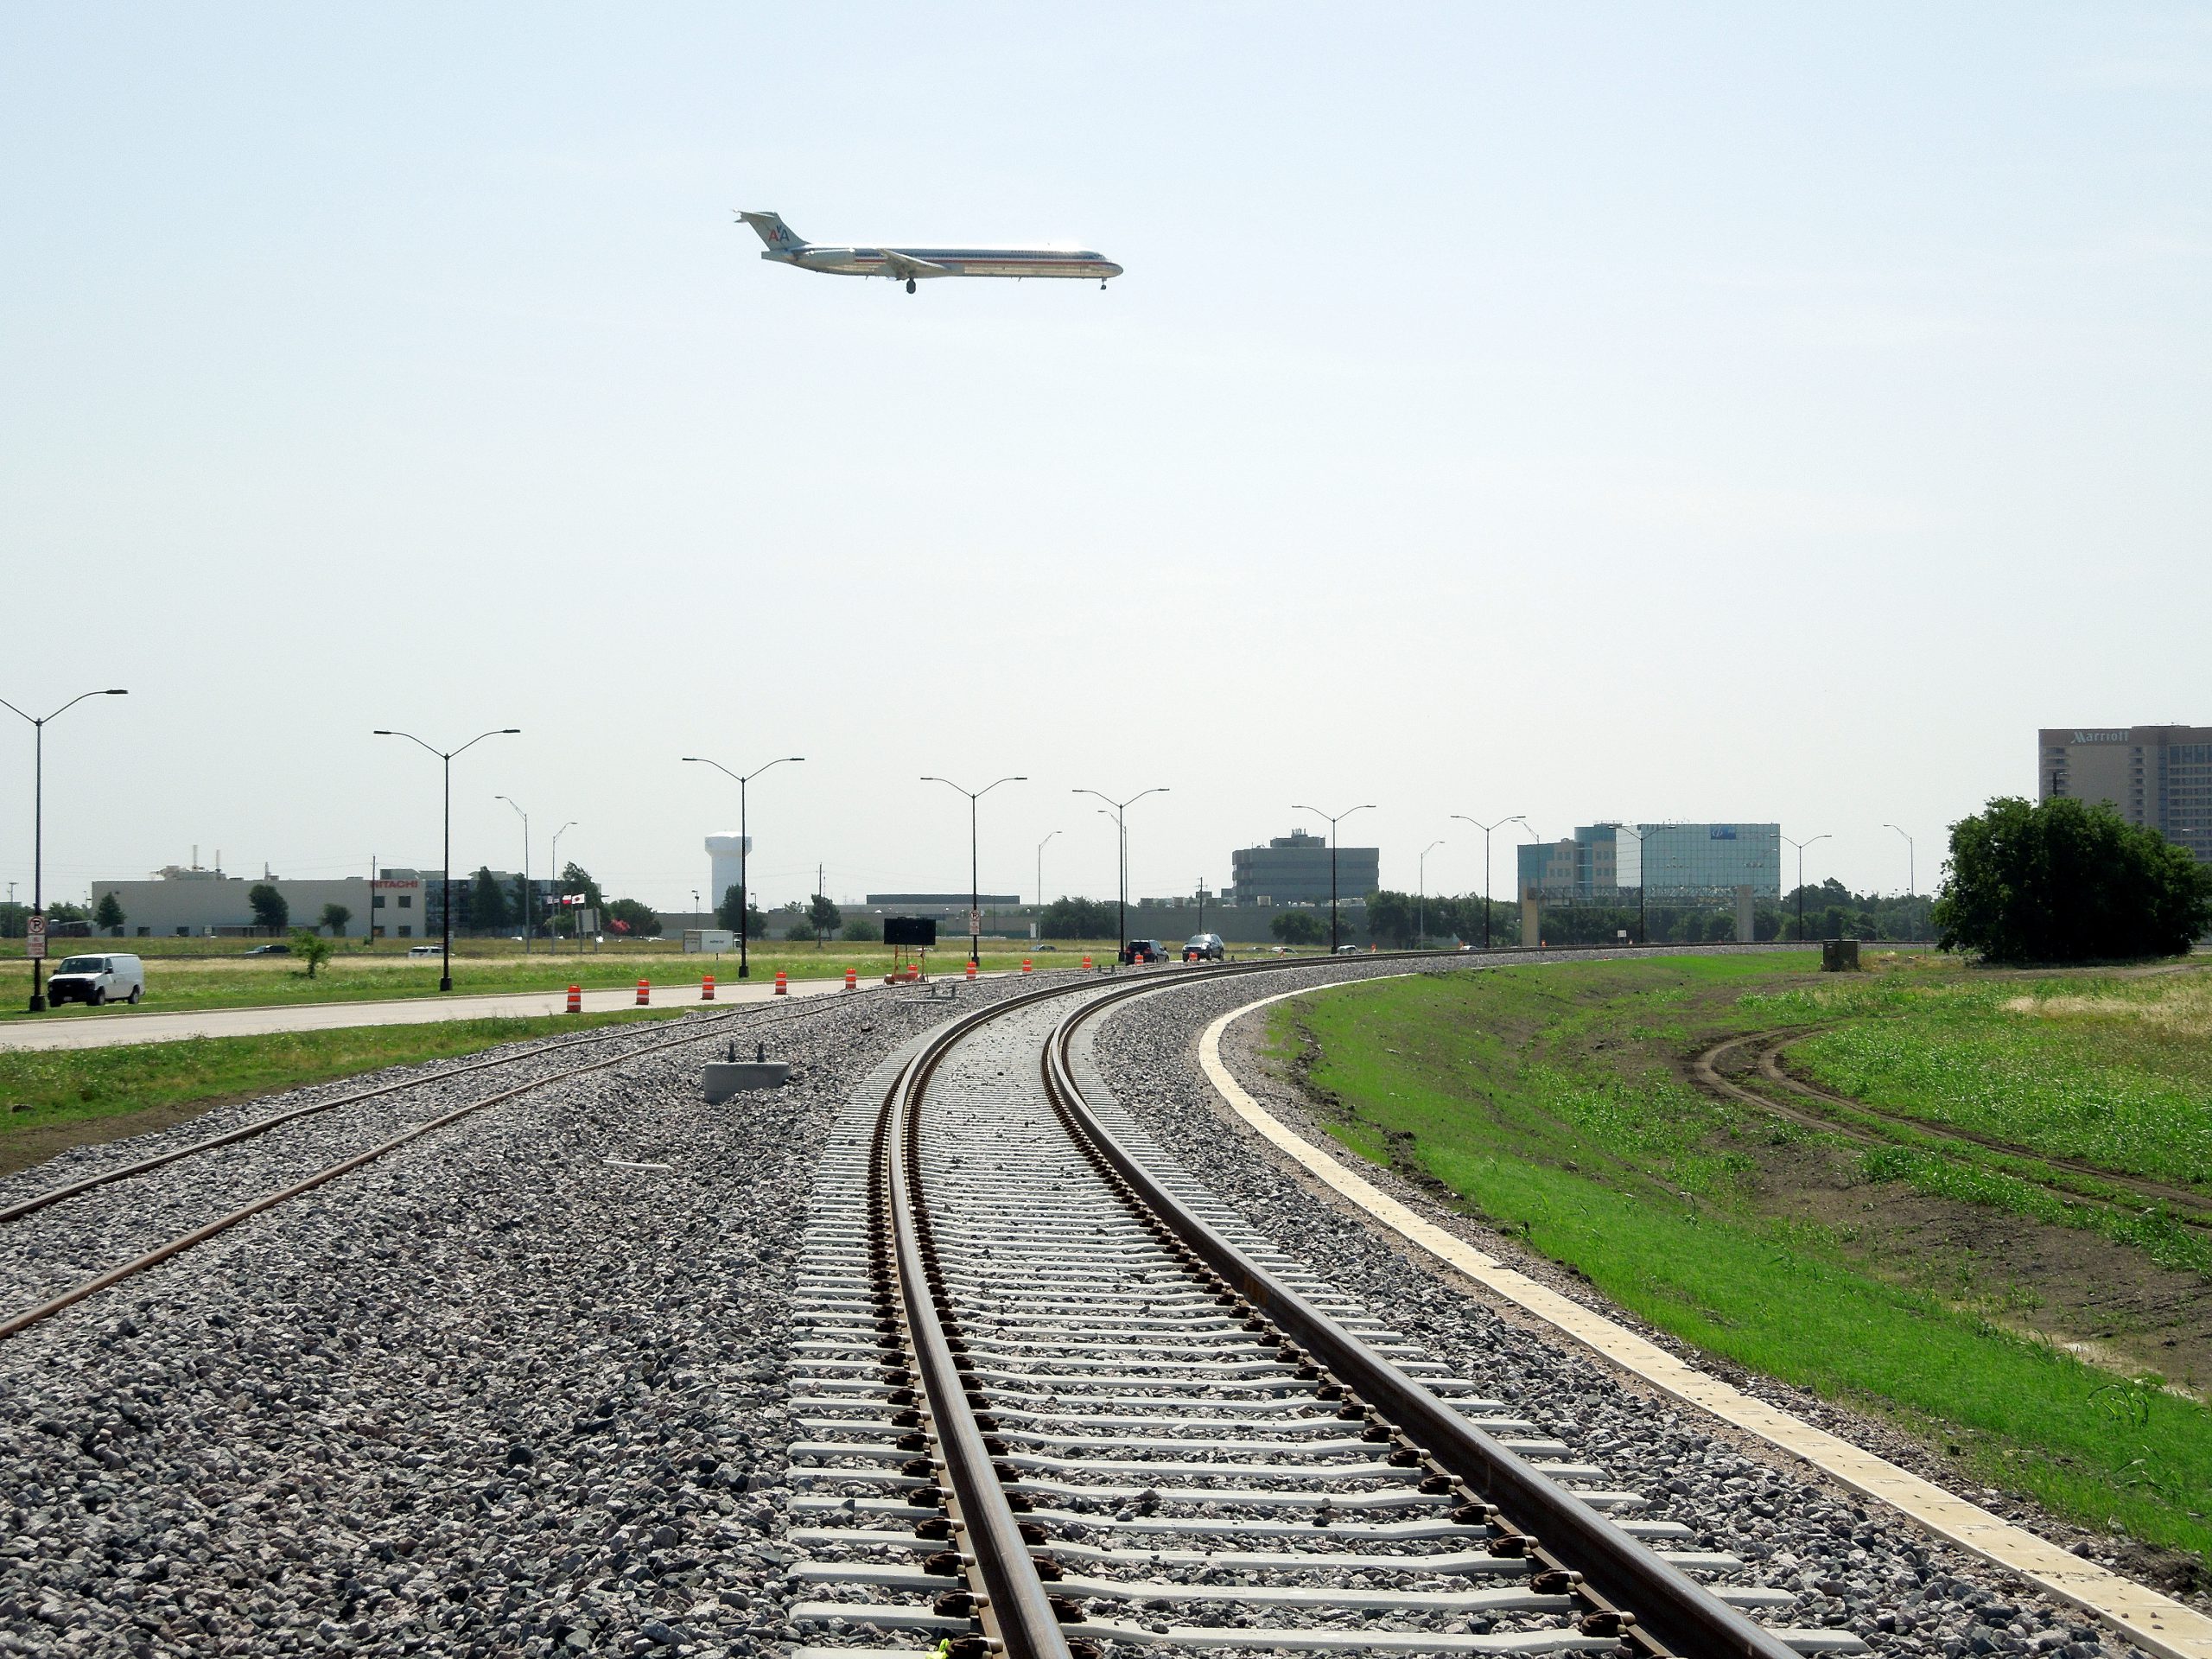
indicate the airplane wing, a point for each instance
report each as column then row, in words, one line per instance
column 906, row 266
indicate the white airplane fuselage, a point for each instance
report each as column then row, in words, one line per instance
column 785, row 247
column 950, row 262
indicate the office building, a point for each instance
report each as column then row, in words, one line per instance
column 191, row 902
column 2157, row 776
column 1294, row 869
column 1684, row 863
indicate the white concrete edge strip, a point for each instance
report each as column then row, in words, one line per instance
column 2156, row 1623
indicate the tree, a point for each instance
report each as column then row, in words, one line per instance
column 727, row 912
column 862, row 930
column 2068, row 881
column 334, row 916
column 487, row 899
column 825, row 916
column 1394, row 918
column 270, row 910
column 1298, row 927
column 639, row 921
column 311, row 948
column 576, row 879
column 793, row 919
column 109, row 914
column 1078, row 918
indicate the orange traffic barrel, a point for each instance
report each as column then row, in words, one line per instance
column 706, row 988
column 1086, row 965
column 783, row 986
column 971, row 970
column 1025, row 964
column 645, row 993
column 852, row 979
column 576, row 999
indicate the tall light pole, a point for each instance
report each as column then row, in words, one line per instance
column 38, row 829
column 1040, row 873
column 1121, row 839
column 1642, row 883
column 1911, row 875
column 1367, row 806
column 509, row 800
column 553, row 879
column 1800, row 846
column 1420, row 926
column 744, row 840
column 1486, row 829
column 445, row 876
column 974, row 881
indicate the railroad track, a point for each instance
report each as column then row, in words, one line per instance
column 710, row 1027
column 1055, row 1398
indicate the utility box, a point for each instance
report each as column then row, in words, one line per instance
column 1839, row 956
column 727, row 1077
column 701, row 941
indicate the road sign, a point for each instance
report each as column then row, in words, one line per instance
column 35, row 939
column 974, row 921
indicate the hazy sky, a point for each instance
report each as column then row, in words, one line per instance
column 1719, row 412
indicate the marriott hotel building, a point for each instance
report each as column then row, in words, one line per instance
column 2156, row 775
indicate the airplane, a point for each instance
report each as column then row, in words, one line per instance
column 785, row 247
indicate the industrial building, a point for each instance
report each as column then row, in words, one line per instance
column 1294, row 869
column 1677, row 863
column 179, row 901
column 2157, row 776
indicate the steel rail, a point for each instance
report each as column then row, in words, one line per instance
column 38, row 1201
column 1667, row 1610
column 16, row 1324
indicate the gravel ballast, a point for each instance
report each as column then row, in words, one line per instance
column 494, row 1393
column 1853, row 1562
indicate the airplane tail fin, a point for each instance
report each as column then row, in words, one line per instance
column 772, row 230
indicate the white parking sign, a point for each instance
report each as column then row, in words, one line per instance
column 35, row 939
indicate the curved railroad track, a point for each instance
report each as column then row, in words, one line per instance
column 1055, row 1396
column 629, row 1041
column 1829, row 1111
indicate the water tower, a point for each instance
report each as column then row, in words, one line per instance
column 726, row 848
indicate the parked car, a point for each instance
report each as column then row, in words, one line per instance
column 1348, row 951
column 271, row 950
column 1143, row 950
column 423, row 949
column 116, row 977
column 1205, row 947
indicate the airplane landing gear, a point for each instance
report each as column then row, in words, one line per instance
column 910, row 284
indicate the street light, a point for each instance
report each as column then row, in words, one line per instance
column 1367, row 806
column 1911, row 875
column 38, row 830
column 445, row 876
column 1421, row 925
column 509, row 800
column 1800, row 846
column 1122, row 837
column 1040, row 875
column 974, row 881
column 1642, row 883
column 744, row 836
column 553, row 880
column 1486, row 829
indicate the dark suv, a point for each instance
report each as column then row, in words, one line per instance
column 1143, row 950
column 1205, row 947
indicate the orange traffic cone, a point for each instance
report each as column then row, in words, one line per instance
column 706, row 988
column 576, row 999
column 971, row 970
column 1086, row 965
column 852, row 979
column 783, row 988
column 1025, row 964
column 645, row 993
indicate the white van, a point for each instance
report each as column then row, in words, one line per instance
column 115, row 977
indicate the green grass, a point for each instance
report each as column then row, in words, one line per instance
column 1549, row 1099
column 490, row 967
column 44, row 1090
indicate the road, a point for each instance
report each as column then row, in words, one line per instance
column 120, row 1026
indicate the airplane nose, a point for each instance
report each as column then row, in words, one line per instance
column 1112, row 269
